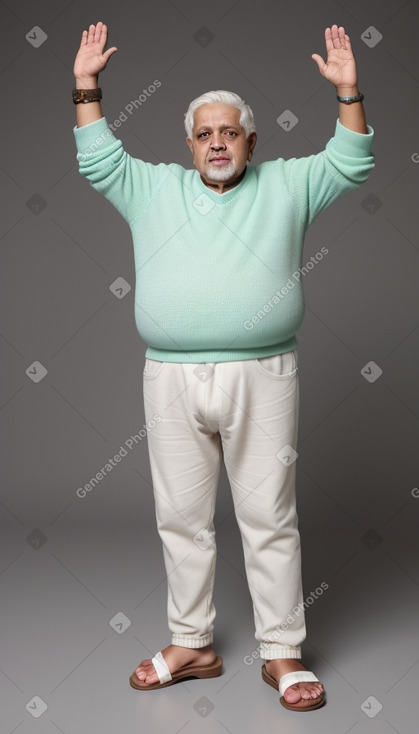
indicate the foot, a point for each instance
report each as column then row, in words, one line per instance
column 304, row 692
column 176, row 657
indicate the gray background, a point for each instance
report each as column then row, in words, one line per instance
column 69, row 565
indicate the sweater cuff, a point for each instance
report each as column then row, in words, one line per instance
column 351, row 143
column 94, row 137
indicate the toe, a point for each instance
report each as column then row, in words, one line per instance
column 152, row 676
column 307, row 691
column 143, row 670
column 292, row 694
column 147, row 673
column 299, row 692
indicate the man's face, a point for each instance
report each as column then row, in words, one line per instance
column 219, row 146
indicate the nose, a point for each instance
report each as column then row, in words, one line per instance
column 216, row 142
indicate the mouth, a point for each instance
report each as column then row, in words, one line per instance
column 219, row 160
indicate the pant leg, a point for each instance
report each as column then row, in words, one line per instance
column 185, row 456
column 260, row 418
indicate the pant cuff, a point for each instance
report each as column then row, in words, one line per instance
column 269, row 652
column 194, row 642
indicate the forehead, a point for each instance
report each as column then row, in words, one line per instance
column 216, row 114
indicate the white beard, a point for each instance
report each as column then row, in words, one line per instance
column 214, row 173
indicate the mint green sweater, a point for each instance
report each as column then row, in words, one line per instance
column 219, row 276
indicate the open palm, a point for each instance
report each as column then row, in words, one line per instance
column 340, row 67
column 91, row 59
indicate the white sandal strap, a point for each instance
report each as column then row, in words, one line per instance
column 300, row 676
column 161, row 668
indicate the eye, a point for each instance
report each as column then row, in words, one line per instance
column 231, row 133
column 202, row 134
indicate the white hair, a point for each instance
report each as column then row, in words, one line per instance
column 246, row 115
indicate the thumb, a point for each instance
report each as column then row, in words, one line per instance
column 319, row 61
column 109, row 52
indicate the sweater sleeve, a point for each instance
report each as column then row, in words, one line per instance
column 128, row 183
column 318, row 180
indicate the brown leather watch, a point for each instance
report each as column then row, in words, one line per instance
column 87, row 95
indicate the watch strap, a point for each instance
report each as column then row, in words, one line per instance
column 349, row 100
column 87, row 95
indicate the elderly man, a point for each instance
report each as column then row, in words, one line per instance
column 219, row 298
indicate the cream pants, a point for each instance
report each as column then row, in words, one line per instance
column 247, row 412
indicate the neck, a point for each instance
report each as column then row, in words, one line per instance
column 220, row 187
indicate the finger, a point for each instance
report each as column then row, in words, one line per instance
column 109, row 52
column 83, row 39
column 341, row 36
column 319, row 61
column 98, row 31
column 335, row 36
column 91, row 33
column 103, row 36
column 328, row 39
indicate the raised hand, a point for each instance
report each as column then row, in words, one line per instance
column 91, row 59
column 340, row 67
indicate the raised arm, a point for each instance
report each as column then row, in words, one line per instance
column 340, row 70
column 89, row 62
column 128, row 183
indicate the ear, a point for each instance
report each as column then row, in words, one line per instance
column 189, row 144
column 251, row 142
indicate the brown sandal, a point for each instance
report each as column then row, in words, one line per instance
column 289, row 679
column 210, row 670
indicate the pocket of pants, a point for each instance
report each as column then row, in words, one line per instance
column 279, row 366
column 152, row 368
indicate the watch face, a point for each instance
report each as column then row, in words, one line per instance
column 78, row 95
